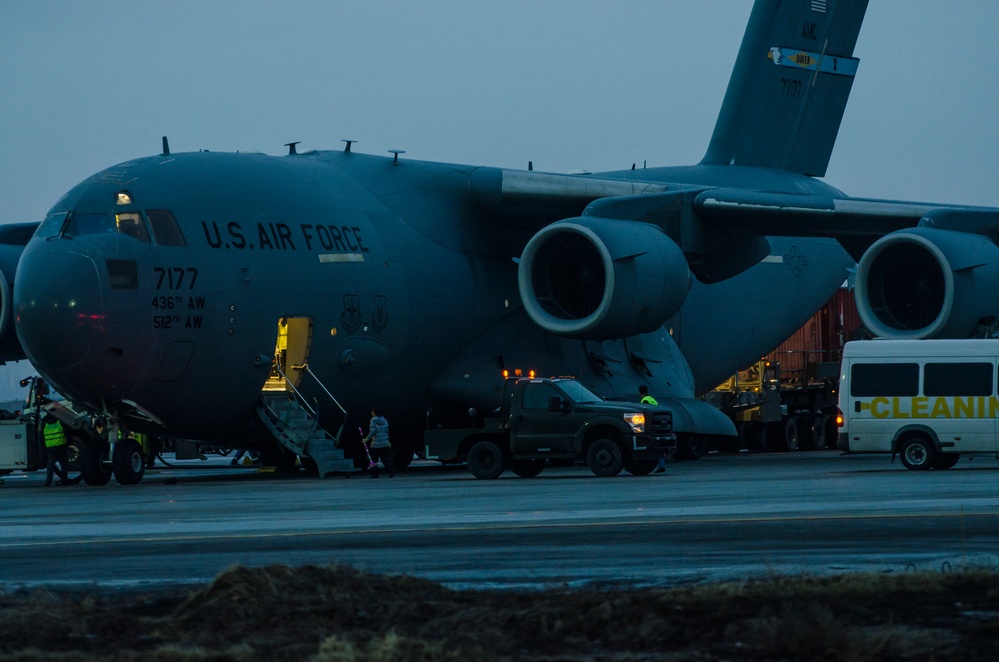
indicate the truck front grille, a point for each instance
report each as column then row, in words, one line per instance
column 661, row 424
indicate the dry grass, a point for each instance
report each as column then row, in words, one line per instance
column 337, row 613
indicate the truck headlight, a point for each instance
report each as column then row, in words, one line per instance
column 636, row 421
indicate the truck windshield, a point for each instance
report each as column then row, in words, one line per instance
column 577, row 392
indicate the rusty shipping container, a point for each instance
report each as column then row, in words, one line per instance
column 820, row 339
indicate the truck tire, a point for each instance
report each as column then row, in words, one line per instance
column 527, row 468
column 917, row 453
column 93, row 466
column 129, row 462
column 640, row 467
column 782, row 436
column 752, row 435
column 820, row 441
column 604, row 458
column 486, row 460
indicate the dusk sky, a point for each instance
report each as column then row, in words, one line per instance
column 568, row 85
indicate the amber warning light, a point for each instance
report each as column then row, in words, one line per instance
column 517, row 372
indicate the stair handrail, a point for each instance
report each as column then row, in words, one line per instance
column 305, row 368
column 298, row 394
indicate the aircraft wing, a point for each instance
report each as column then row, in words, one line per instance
column 855, row 222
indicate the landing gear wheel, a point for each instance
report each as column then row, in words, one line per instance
column 640, row 467
column 604, row 458
column 74, row 453
column 129, row 462
column 945, row 460
column 94, row 467
column 917, row 453
column 527, row 468
column 691, row 446
column 486, row 460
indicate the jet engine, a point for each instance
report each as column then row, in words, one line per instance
column 928, row 283
column 602, row 278
column 10, row 347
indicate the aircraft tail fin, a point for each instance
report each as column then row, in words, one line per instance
column 789, row 87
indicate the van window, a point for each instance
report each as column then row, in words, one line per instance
column 886, row 379
column 957, row 379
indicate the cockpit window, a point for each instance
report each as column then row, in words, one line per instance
column 51, row 226
column 84, row 223
column 130, row 224
column 165, row 228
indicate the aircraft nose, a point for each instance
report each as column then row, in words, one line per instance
column 58, row 307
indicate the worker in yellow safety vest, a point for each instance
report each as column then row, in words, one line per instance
column 55, row 450
column 647, row 399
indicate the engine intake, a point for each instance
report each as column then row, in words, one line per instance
column 10, row 346
column 602, row 278
column 928, row 283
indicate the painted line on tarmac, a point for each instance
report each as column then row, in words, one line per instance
column 481, row 527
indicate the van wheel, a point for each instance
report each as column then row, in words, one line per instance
column 917, row 453
column 604, row 458
column 485, row 460
column 945, row 460
column 527, row 468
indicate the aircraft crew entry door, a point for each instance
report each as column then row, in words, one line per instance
column 294, row 340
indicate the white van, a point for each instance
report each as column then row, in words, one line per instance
column 927, row 400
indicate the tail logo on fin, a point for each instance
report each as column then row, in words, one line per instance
column 798, row 59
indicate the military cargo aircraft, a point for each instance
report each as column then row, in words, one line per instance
column 270, row 302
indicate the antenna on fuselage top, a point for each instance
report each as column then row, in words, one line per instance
column 291, row 147
column 346, row 150
column 166, row 146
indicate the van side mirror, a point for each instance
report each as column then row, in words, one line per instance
column 555, row 404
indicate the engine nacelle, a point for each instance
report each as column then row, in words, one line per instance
column 10, row 346
column 602, row 278
column 928, row 283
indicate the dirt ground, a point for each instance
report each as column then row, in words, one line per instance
column 338, row 613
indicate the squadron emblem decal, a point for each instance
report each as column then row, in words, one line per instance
column 351, row 315
column 796, row 259
column 379, row 320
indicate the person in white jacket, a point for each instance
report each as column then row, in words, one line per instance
column 378, row 443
